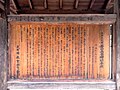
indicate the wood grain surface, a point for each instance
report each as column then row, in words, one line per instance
column 59, row 51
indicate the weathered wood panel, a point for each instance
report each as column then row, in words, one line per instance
column 59, row 51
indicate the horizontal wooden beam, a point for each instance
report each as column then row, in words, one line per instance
column 77, row 18
column 61, row 11
column 63, row 85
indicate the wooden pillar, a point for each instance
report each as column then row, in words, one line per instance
column 4, row 47
column 117, row 35
column 3, row 54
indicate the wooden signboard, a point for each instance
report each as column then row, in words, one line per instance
column 58, row 51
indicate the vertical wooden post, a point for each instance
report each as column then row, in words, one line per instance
column 117, row 28
column 3, row 54
column 4, row 47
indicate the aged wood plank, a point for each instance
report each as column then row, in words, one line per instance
column 79, row 18
column 43, row 48
column 40, row 51
column 51, row 53
column 53, row 47
column 90, row 72
column 56, row 50
column 24, row 51
column 70, row 50
column 18, row 46
column 29, row 51
column 96, row 52
column 76, row 50
column 62, row 51
column 36, row 50
column 13, row 52
column 106, row 51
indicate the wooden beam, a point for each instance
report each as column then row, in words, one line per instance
column 77, row 18
column 61, row 4
column 46, row 11
column 108, row 4
column 2, row 6
column 45, row 4
column 91, row 4
column 62, row 86
column 13, row 2
column 13, row 10
column 76, row 4
column 30, row 4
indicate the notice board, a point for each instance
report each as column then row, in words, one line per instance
column 58, row 51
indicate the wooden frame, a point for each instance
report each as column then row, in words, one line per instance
column 85, row 18
column 78, row 18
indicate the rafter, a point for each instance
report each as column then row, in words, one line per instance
column 30, row 4
column 76, row 3
column 13, row 10
column 108, row 4
column 45, row 4
column 15, row 4
column 2, row 6
column 91, row 4
column 61, row 4
column 7, row 7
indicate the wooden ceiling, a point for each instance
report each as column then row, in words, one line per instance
column 59, row 6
